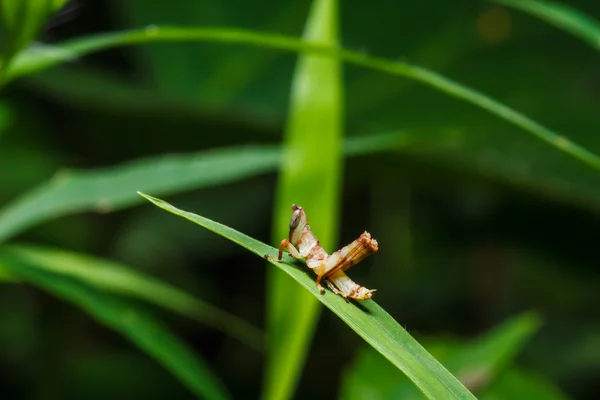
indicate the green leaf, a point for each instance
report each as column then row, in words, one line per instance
column 114, row 278
column 136, row 324
column 562, row 16
column 521, row 384
column 310, row 176
column 367, row 319
column 29, row 62
column 114, row 188
column 476, row 363
column 57, row 4
column 23, row 20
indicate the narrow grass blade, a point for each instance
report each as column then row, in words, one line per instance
column 28, row 62
column 113, row 188
column 109, row 189
column 366, row 318
column 117, row 279
column 310, row 176
column 561, row 15
column 137, row 325
column 477, row 363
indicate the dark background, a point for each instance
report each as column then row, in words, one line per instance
column 502, row 224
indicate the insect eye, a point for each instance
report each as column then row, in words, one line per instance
column 295, row 219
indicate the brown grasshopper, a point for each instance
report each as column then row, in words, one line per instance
column 302, row 243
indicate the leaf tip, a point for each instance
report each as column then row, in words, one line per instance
column 144, row 195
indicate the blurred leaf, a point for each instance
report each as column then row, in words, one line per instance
column 28, row 62
column 26, row 16
column 366, row 318
column 139, row 326
column 311, row 176
column 486, row 357
column 438, row 52
column 7, row 276
column 561, row 15
column 238, row 71
column 178, row 68
column 497, row 154
column 215, row 76
column 23, row 19
column 57, row 4
column 520, row 384
column 95, row 89
column 475, row 363
column 114, row 188
column 118, row 279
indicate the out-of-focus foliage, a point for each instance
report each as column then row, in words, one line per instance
column 563, row 16
column 470, row 234
column 21, row 21
column 478, row 364
column 132, row 322
column 118, row 279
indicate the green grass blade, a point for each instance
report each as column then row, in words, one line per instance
column 477, row 363
column 366, row 318
column 114, row 188
column 310, row 176
column 137, row 325
column 28, row 62
column 562, row 16
column 114, row 278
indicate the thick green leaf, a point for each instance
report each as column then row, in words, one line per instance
column 366, row 318
column 136, row 324
column 114, row 188
column 561, row 15
column 115, row 278
column 28, row 62
column 476, row 363
column 520, row 384
column 310, row 176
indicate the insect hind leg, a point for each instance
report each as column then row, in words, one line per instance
column 335, row 290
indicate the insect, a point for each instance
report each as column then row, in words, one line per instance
column 302, row 243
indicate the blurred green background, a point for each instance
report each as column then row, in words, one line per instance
column 470, row 234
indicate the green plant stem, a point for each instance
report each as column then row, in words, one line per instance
column 30, row 61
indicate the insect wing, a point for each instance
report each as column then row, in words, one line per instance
column 346, row 262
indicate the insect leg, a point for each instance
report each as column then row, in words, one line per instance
column 320, row 273
column 335, row 290
column 290, row 248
